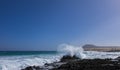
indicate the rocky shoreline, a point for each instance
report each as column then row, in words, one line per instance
column 74, row 63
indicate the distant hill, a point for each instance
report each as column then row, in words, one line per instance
column 90, row 47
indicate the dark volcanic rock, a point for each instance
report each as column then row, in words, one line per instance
column 90, row 64
column 32, row 68
column 67, row 58
column 47, row 66
column 118, row 58
column 74, row 63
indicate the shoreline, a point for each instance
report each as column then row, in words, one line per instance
column 90, row 47
column 75, row 63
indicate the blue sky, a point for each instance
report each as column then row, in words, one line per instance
column 45, row 24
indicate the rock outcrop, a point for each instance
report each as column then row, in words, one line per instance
column 74, row 63
column 67, row 58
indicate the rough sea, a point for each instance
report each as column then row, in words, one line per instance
column 17, row 60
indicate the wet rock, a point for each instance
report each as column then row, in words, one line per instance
column 67, row 58
column 47, row 66
column 32, row 68
column 90, row 64
column 118, row 58
column 74, row 63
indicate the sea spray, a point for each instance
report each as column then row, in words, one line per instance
column 18, row 62
column 72, row 50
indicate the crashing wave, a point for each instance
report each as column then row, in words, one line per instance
column 72, row 50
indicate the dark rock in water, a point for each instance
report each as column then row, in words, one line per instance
column 47, row 66
column 74, row 63
column 90, row 64
column 68, row 58
column 32, row 68
column 118, row 58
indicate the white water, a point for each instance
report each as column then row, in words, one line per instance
column 72, row 50
column 20, row 62
column 79, row 52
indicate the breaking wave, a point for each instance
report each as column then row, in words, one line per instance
column 79, row 52
column 72, row 50
column 19, row 62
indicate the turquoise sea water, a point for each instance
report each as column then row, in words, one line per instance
column 17, row 60
column 18, row 53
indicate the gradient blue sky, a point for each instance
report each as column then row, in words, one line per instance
column 44, row 24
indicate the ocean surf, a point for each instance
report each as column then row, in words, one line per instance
column 18, row 60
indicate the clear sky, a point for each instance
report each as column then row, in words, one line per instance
column 44, row 24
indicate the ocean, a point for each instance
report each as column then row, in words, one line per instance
column 17, row 60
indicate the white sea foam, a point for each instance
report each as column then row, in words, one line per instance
column 72, row 50
column 79, row 52
column 101, row 55
column 20, row 62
